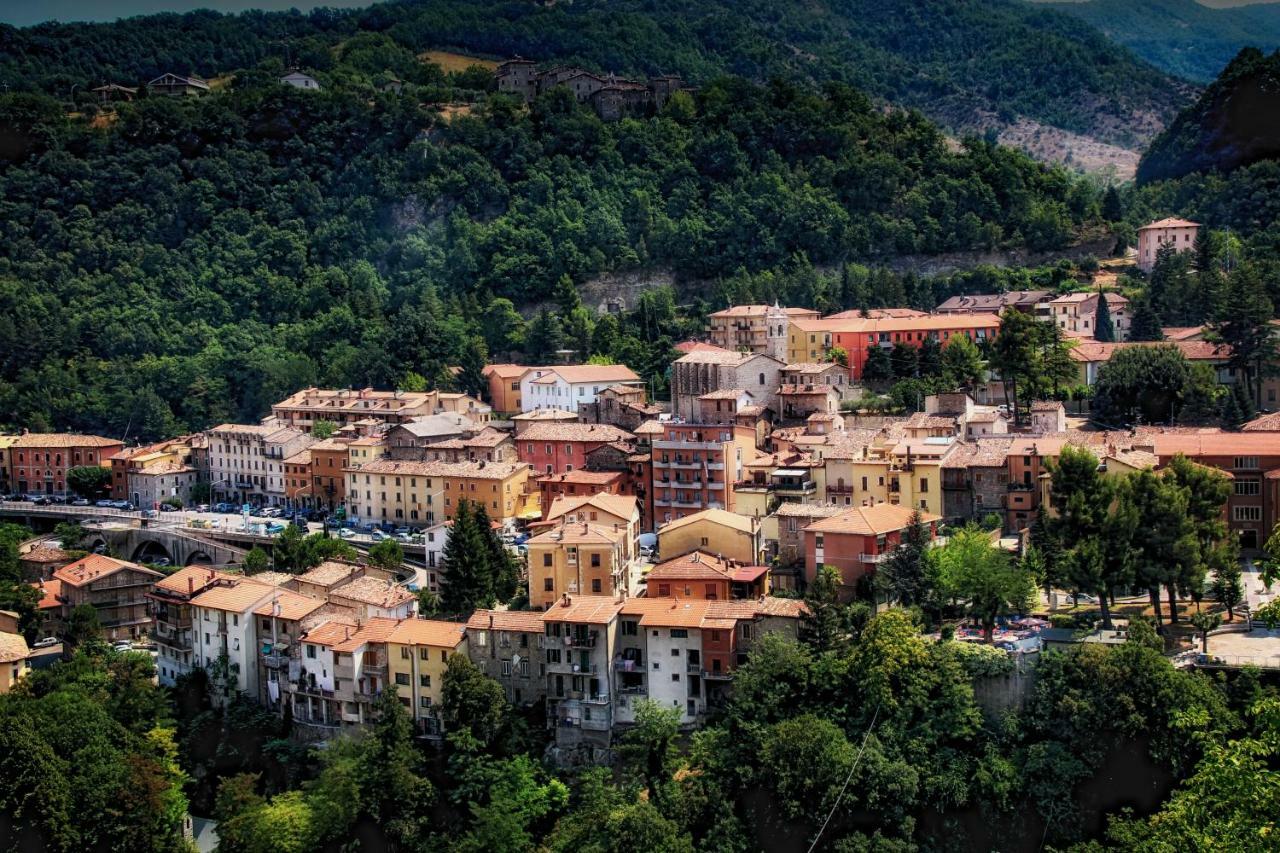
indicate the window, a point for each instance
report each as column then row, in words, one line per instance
column 1245, row 462
column 546, row 560
column 675, row 676
column 595, row 561
column 679, row 633
column 548, row 585
column 1248, row 487
column 402, row 678
column 1246, row 513
column 424, row 681
column 311, row 650
column 424, row 653
column 595, row 584
column 424, row 701
column 675, row 653
column 630, row 629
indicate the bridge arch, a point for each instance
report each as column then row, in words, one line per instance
column 199, row 558
column 149, row 550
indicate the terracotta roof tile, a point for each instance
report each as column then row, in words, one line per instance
column 521, row 621
column 583, row 609
column 292, row 605
column 13, row 648
column 96, row 566
column 429, row 632
column 234, row 597
column 369, row 590
column 573, row 432
column 870, row 520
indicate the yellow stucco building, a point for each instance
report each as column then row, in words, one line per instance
column 716, row 531
column 418, row 653
column 579, row 557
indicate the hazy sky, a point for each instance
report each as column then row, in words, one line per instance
column 22, row 13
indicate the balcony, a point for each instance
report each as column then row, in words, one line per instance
column 633, row 690
column 872, row 558
column 717, row 674
column 275, row 660
column 595, row 725
column 693, row 668
column 628, row 666
column 312, row 690
column 581, row 641
column 173, row 641
column 1021, row 487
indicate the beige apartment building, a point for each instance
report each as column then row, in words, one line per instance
column 246, row 461
column 755, row 328
column 344, row 406
column 424, row 493
column 1178, row 233
column 579, row 557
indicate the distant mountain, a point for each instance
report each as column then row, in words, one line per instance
column 1235, row 123
column 973, row 65
column 1182, row 37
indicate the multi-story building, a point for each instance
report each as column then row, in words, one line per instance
column 224, row 635
column 706, row 577
column 282, row 620
column 410, row 440
column 623, row 406
column 524, row 420
column 694, row 467
column 504, row 386
column 578, row 643
column 423, row 493
column 117, row 589
column 557, row 448
column 6, row 441
column 1180, row 234
column 809, row 340
column 39, row 462
column 703, row 372
column 1078, row 313
column 488, row 445
column 418, row 653
column 147, row 476
column 579, row 557
column 345, row 406
column 975, row 479
column 369, row 596
column 782, row 534
column 568, row 386
column 857, row 540
column 175, row 618
column 1090, row 356
column 715, row 531
column 755, row 328
column 507, row 646
column 572, row 484
column 342, row 669
column 246, row 461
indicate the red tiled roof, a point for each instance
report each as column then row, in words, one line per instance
column 1171, row 223
column 603, row 433
column 96, row 566
column 521, row 621
column 869, row 520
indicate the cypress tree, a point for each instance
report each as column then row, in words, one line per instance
column 1146, row 322
column 1103, row 328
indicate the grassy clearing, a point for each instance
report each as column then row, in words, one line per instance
column 451, row 62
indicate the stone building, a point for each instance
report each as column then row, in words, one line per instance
column 622, row 406
column 703, row 372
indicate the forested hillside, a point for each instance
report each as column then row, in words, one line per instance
column 1183, row 37
column 188, row 262
column 970, row 65
column 1235, row 122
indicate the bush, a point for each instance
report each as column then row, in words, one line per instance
column 982, row 661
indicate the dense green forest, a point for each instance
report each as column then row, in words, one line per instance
column 1234, row 123
column 1183, row 37
column 970, row 65
column 187, row 262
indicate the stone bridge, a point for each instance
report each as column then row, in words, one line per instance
column 128, row 535
column 148, row 544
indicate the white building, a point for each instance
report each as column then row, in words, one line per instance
column 298, row 80
column 223, row 624
column 569, row 386
column 246, row 461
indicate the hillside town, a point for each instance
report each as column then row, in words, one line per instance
column 656, row 540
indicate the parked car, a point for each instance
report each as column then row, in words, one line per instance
column 161, row 561
column 105, row 503
column 41, row 500
column 223, row 508
column 46, row 642
column 150, row 513
column 80, row 502
column 346, row 533
column 274, row 528
column 272, row 512
column 122, row 646
column 378, row 535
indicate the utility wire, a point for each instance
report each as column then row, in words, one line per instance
column 847, row 780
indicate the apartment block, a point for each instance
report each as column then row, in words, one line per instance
column 507, row 646
column 580, row 557
column 116, row 589
column 246, row 461
column 38, row 462
column 694, row 467
column 417, row 655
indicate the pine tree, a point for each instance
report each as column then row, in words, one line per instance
column 1145, row 325
column 566, row 296
column 1243, row 323
column 878, row 369
column 504, row 575
column 467, row 580
column 1112, row 205
column 1103, row 328
column 902, row 576
column 544, row 338
column 471, row 379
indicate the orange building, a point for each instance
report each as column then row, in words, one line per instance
column 857, row 540
column 504, row 385
column 572, row 484
column 694, row 466
column 38, row 462
column 706, row 577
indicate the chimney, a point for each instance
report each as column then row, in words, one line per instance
column 190, row 585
